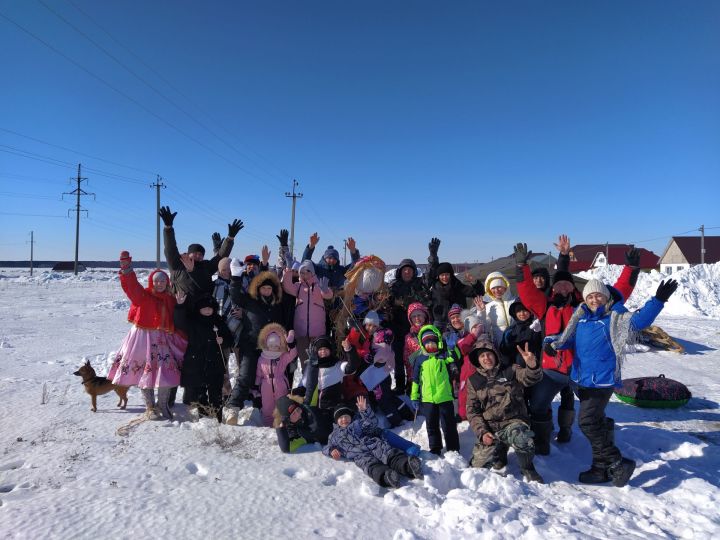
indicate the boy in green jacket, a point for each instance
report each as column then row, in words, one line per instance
column 432, row 389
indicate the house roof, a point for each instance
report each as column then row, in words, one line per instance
column 583, row 255
column 690, row 248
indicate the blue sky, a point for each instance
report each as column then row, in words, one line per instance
column 482, row 123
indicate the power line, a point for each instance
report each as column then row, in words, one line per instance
column 30, row 215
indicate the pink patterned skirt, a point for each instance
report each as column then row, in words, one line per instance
column 148, row 359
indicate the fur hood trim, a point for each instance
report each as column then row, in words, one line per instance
column 260, row 278
column 269, row 329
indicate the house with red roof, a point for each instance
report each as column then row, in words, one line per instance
column 685, row 251
column 588, row 256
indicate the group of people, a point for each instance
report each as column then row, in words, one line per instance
column 320, row 348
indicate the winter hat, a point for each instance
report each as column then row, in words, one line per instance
column 417, row 307
column 331, row 252
column 445, row 268
column 372, row 317
column 342, row 410
column 428, row 336
column 471, row 321
column 403, row 264
column 455, row 309
column 481, row 346
column 497, row 282
column 562, row 275
column 595, row 286
column 285, row 406
column 323, row 342
column 193, row 248
column 295, row 266
column 206, row 300
column 236, row 267
column 267, row 281
column 308, row 266
column 252, row 259
column 516, row 306
column 542, row 271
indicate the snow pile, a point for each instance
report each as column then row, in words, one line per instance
column 698, row 293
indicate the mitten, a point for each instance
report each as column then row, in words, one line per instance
column 125, row 262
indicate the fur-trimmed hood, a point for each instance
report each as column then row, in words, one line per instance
column 269, row 329
column 261, row 278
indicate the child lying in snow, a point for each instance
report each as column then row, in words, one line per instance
column 361, row 440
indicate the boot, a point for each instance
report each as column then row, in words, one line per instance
column 163, row 402
column 151, row 413
column 415, row 466
column 501, row 452
column 566, row 417
column 230, row 415
column 621, row 471
column 542, row 430
column 527, row 468
column 391, row 478
column 597, row 474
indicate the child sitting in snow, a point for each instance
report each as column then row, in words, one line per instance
column 496, row 409
column 278, row 351
column 361, row 441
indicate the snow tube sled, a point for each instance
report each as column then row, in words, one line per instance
column 396, row 441
column 654, row 392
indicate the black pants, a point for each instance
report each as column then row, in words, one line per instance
column 208, row 398
column 567, row 399
column 598, row 428
column 397, row 461
column 437, row 414
column 246, row 378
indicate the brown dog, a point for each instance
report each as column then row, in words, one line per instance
column 98, row 386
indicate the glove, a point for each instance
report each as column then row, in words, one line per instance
column 632, row 258
column 536, row 326
column 291, row 336
column 324, row 282
column 665, row 290
column 549, row 350
column 234, row 228
column 217, row 241
column 521, row 254
column 125, row 261
column 167, row 216
column 434, row 245
column 283, row 237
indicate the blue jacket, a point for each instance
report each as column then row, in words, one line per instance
column 595, row 361
column 362, row 441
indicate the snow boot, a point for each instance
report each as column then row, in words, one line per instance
column 151, row 413
column 163, row 402
column 230, row 415
column 565, row 421
column 527, row 468
column 542, row 428
column 596, row 474
column 391, row 479
column 415, row 466
column 621, row 471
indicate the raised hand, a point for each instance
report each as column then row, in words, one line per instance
column 434, row 245
column 235, row 227
column 361, row 403
column 125, row 260
column 314, row 239
column 265, row 253
column 347, row 347
column 167, row 216
column 521, row 253
column 469, row 278
column 283, row 237
column 528, row 356
column 188, row 263
column 632, row 257
column 665, row 290
column 563, row 244
column 351, row 244
column 180, row 297
column 323, row 282
column 291, row 336
column 479, row 303
column 217, row 241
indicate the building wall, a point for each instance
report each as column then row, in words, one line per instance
column 670, row 268
column 673, row 256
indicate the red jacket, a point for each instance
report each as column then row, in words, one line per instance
column 148, row 310
column 556, row 318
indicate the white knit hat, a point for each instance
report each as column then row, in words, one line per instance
column 372, row 317
column 497, row 282
column 595, row 286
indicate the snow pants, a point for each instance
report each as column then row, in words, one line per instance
column 246, row 378
column 517, row 436
column 598, row 428
column 397, row 460
column 437, row 414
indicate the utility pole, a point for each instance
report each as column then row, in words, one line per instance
column 157, row 185
column 77, row 191
column 32, row 242
column 294, row 197
column 702, row 244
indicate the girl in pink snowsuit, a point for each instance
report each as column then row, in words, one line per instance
column 278, row 351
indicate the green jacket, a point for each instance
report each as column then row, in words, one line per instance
column 431, row 378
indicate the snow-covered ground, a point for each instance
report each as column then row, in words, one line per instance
column 64, row 473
